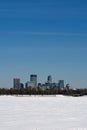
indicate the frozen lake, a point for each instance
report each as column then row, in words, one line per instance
column 43, row 113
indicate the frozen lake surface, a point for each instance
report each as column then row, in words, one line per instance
column 43, row 113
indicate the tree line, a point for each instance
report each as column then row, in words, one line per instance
column 38, row 91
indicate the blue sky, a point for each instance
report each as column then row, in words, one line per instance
column 43, row 37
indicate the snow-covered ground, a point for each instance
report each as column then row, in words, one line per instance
column 43, row 113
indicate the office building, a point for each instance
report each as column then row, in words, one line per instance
column 30, row 84
column 33, row 79
column 16, row 83
column 49, row 79
column 21, row 86
column 61, row 84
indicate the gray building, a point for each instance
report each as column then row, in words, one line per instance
column 61, row 84
column 49, row 79
column 16, row 83
column 33, row 79
column 30, row 84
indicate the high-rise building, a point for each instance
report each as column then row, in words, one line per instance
column 21, row 86
column 30, row 84
column 49, row 79
column 33, row 79
column 27, row 84
column 16, row 83
column 61, row 84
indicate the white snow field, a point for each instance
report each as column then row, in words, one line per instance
column 43, row 113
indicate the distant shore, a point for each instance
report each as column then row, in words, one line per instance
column 40, row 92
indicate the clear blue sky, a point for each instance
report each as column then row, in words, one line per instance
column 43, row 37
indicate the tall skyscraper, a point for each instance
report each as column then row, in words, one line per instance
column 61, row 84
column 16, row 83
column 49, row 79
column 33, row 78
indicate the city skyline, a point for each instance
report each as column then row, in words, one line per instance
column 33, row 81
column 33, row 84
column 47, row 37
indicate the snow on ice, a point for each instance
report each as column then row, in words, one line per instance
column 43, row 113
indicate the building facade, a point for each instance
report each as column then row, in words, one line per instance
column 30, row 84
column 33, row 79
column 49, row 79
column 61, row 84
column 16, row 83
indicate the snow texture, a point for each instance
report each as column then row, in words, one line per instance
column 43, row 113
